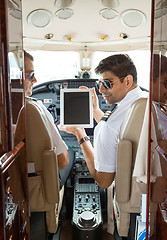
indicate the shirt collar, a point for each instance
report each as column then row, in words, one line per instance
column 129, row 95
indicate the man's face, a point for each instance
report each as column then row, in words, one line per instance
column 28, row 83
column 117, row 90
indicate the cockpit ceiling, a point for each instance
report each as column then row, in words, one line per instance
column 128, row 28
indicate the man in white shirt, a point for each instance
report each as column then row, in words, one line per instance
column 118, row 85
column 107, row 134
column 61, row 148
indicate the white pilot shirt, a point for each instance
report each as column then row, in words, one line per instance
column 107, row 132
column 57, row 140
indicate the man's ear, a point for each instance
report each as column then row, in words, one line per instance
column 128, row 81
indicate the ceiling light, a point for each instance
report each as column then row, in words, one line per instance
column 108, row 13
column 133, row 18
column 109, row 3
column 102, row 38
column 64, row 13
column 69, row 38
column 39, row 18
column 63, row 3
column 123, row 35
column 49, row 36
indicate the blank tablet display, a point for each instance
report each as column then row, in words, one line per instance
column 76, row 107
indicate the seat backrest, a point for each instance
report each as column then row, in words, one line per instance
column 131, row 174
column 128, row 191
column 43, row 180
column 44, row 191
column 42, row 155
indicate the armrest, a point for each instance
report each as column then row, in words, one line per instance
column 50, row 175
column 123, row 173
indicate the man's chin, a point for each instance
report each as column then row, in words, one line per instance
column 28, row 94
column 109, row 102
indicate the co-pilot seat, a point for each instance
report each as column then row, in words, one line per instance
column 44, row 192
column 131, row 174
column 127, row 199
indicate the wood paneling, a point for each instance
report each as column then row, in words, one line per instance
column 6, row 142
column 158, row 124
column 14, row 208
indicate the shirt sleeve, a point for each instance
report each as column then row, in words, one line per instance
column 105, row 151
column 58, row 142
column 56, row 138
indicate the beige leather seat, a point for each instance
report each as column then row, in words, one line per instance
column 128, row 187
column 127, row 190
column 44, row 194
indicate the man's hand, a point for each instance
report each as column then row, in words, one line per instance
column 95, row 100
column 97, row 113
column 77, row 131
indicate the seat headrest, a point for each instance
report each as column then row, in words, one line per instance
column 38, row 138
column 132, row 124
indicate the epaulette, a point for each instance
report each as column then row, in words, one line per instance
column 108, row 113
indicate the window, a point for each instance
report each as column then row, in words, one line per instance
column 15, row 64
column 55, row 65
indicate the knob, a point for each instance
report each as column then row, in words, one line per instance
column 93, row 206
column 87, row 219
column 86, row 199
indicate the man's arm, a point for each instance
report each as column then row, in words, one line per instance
column 103, row 179
column 62, row 160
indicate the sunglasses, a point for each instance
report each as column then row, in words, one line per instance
column 107, row 84
column 30, row 75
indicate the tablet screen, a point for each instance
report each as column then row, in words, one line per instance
column 76, row 107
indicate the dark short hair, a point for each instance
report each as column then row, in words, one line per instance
column 159, row 66
column 27, row 55
column 120, row 65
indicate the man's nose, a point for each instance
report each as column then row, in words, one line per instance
column 34, row 80
column 102, row 89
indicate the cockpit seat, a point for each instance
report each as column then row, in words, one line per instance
column 128, row 191
column 131, row 174
column 44, row 192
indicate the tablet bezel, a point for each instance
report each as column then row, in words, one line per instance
column 72, row 90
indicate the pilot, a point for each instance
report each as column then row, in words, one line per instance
column 118, row 86
column 61, row 148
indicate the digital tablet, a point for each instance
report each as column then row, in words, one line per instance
column 76, row 107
